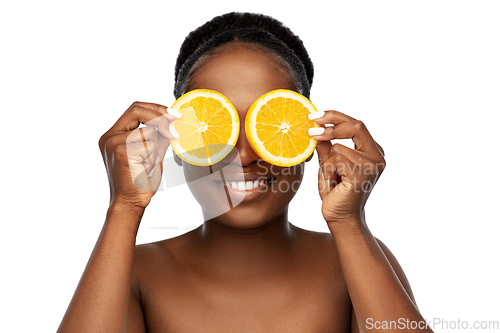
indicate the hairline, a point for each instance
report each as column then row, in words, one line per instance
column 235, row 44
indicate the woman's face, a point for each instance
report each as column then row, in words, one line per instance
column 242, row 74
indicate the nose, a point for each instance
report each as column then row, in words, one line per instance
column 246, row 153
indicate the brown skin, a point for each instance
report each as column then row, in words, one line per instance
column 250, row 269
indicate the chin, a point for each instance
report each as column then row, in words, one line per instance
column 247, row 217
column 248, row 214
column 243, row 200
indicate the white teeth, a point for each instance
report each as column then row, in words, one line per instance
column 246, row 186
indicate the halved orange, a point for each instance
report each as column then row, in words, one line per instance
column 208, row 128
column 277, row 127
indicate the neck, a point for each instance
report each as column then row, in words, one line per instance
column 246, row 251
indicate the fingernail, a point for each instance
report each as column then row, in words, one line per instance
column 174, row 113
column 173, row 131
column 316, row 115
column 316, row 130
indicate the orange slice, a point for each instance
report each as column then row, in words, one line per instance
column 208, row 128
column 277, row 127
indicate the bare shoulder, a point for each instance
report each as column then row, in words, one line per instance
column 160, row 259
column 322, row 244
column 162, row 248
column 317, row 247
column 314, row 238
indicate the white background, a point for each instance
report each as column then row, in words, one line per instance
column 423, row 75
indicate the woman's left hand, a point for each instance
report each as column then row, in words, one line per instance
column 346, row 176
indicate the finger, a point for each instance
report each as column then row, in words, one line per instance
column 153, row 106
column 163, row 144
column 365, row 164
column 155, row 178
column 148, row 133
column 141, row 134
column 356, row 157
column 325, row 184
column 330, row 117
column 141, row 156
column 152, row 160
column 142, row 160
column 325, row 117
column 355, row 130
column 338, row 164
column 169, row 113
column 138, row 114
column 323, row 149
column 380, row 149
column 336, row 118
column 333, row 171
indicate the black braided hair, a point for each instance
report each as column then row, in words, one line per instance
column 262, row 30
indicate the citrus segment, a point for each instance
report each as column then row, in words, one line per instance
column 208, row 128
column 277, row 127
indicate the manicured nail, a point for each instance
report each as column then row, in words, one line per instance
column 316, row 115
column 316, row 131
column 173, row 132
column 174, row 113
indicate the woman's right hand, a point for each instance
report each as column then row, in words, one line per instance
column 102, row 298
column 130, row 153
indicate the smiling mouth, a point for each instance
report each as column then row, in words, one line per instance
column 248, row 185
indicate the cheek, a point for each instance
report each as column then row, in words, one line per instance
column 205, row 184
column 193, row 173
column 288, row 181
column 198, row 180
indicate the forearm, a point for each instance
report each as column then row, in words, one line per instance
column 375, row 289
column 100, row 301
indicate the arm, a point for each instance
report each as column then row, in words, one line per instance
column 101, row 299
column 104, row 300
column 376, row 284
column 399, row 273
column 397, row 269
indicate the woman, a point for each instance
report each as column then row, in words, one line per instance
column 248, row 269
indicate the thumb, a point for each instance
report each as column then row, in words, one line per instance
column 323, row 148
column 323, row 187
